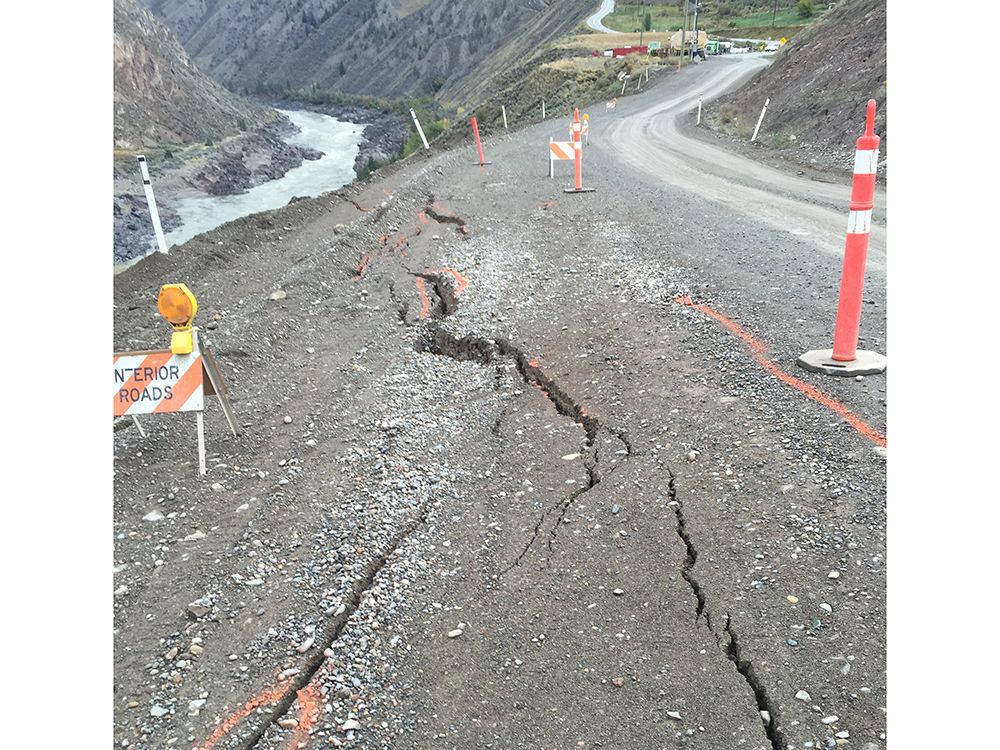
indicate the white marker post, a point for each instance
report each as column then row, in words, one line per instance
column 699, row 111
column 647, row 74
column 760, row 120
column 543, row 109
column 551, row 170
column 504, row 110
column 624, row 83
column 419, row 129
column 151, row 202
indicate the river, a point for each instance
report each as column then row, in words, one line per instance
column 339, row 142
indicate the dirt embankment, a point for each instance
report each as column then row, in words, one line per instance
column 818, row 87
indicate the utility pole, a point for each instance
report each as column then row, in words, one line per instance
column 684, row 28
column 642, row 23
column 694, row 38
column 774, row 13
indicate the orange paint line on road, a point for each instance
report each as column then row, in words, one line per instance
column 264, row 698
column 310, row 702
column 463, row 283
column 363, row 264
column 758, row 348
column 425, row 301
column 423, row 217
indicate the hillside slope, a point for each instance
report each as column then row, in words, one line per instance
column 819, row 85
column 160, row 97
column 389, row 48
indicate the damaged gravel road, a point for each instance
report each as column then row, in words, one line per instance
column 497, row 488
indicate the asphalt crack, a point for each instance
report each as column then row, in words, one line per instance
column 438, row 341
column 332, row 632
column 728, row 640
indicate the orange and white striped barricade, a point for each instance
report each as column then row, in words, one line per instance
column 175, row 379
column 578, row 157
column 844, row 358
column 611, row 105
column 560, row 151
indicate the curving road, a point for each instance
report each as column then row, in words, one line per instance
column 594, row 21
column 645, row 134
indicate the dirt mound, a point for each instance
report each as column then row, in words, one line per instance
column 819, row 85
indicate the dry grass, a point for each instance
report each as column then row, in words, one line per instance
column 600, row 41
column 576, row 64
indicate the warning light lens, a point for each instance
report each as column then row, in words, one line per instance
column 177, row 304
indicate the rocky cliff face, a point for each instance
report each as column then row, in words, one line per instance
column 388, row 48
column 160, row 97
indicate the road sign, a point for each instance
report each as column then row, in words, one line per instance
column 158, row 382
column 172, row 380
column 654, row 45
column 782, row 40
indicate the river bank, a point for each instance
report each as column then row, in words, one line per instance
column 384, row 133
column 251, row 169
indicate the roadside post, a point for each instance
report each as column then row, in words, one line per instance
column 479, row 143
column 586, row 128
column 698, row 122
column 543, row 109
column 151, row 202
column 503, row 109
column 175, row 379
column 419, row 129
column 578, row 157
column 760, row 120
column 844, row 359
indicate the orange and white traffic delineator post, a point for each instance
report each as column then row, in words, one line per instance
column 844, row 358
column 578, row 157
column 560, row 151
column 175, row 379
column 479, row 143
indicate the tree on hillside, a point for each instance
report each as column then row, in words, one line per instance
column 806, row 8
column 647, row 21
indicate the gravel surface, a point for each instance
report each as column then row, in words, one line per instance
column 495, row 487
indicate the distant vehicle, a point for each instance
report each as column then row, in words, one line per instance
column 716, row 47
column 772, row 46
column 674, row 45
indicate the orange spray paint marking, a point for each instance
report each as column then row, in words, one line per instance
column 264, row 698
column 400, row 241
column 383, row 238
column 758, row 349
column 363, row 264
column 423, row 218
column 387, row 193
column 425, row 301
column 310, row 702
column 462, row 282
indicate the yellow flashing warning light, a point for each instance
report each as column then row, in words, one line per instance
column 586, row 117
column 178, row 306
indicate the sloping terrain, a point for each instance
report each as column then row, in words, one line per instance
column 388, row 48
column 160, row 96
column 818, row 85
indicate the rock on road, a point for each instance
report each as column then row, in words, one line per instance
column 495, row 487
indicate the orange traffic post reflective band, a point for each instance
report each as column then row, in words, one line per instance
column 758, row 348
